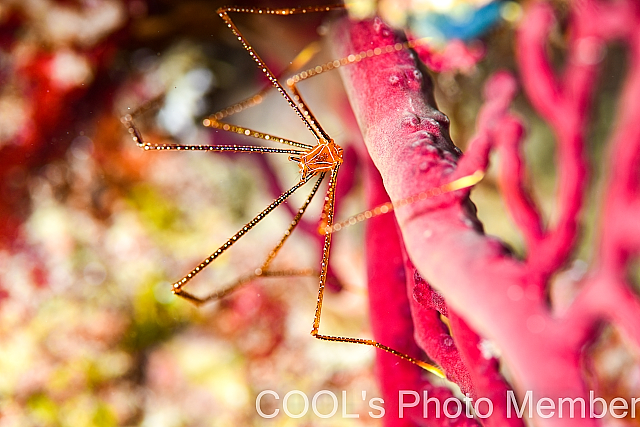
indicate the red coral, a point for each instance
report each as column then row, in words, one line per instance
column 484, row 286
column 391, row 319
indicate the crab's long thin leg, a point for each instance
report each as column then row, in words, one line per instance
column 353, row 58
column 299, row 108
column 215, row 120
column 294, row 223
column 177, row 286
column 335, row 64
column 263, row 271
column 458, row 184
column 327, row 223
column 128, row 121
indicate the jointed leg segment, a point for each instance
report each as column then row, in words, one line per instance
column 263, row 270
column 326, row 224
column 128, row 121
column 300, row 110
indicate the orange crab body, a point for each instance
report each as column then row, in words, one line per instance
column 323, row 157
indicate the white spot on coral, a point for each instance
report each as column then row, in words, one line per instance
column 488, row 349
column 394, row 80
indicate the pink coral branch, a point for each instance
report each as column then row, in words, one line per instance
column 623, row 191
column 480, row 285
column 431, row 333
column 484, row 370
column 497, row 126
column 607, row 294
column 391, row 319
column 566, row 111
column 540, row 83
column 382, row 115
column 512, row 180
column 499, row 296
column 458, row 353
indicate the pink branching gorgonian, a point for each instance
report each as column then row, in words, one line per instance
column 491, row 298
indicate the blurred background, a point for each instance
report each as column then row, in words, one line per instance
column 93, row 230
